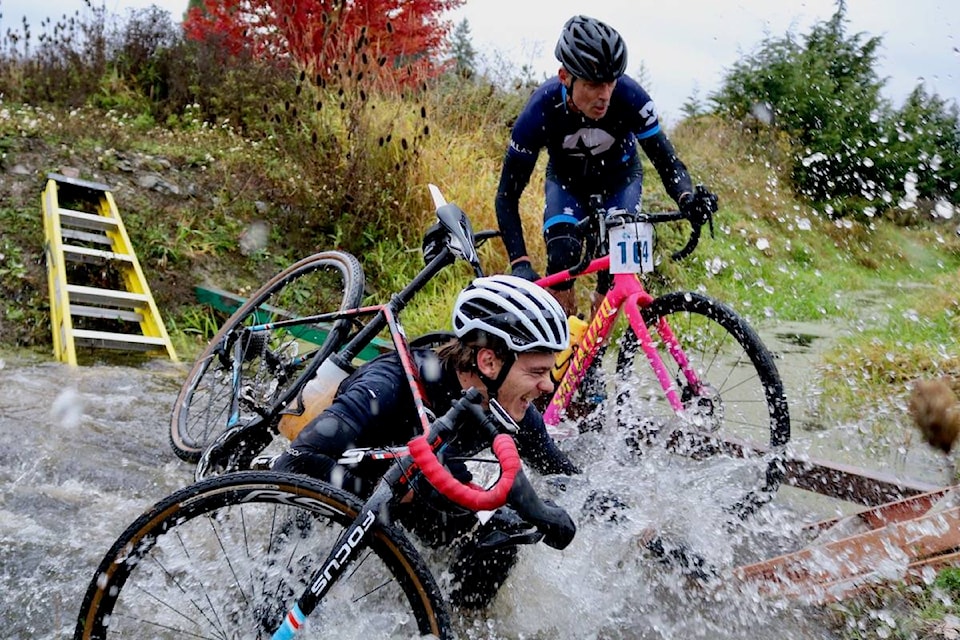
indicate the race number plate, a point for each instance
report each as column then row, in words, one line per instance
column 631, row 248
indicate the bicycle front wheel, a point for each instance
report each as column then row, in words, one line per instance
column 229, row 556
column 271, row 362
column 738, row 394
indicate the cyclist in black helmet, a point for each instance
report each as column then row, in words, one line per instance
column 506, row 334
column 590, row 119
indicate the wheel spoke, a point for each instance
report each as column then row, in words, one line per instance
column 229, row 556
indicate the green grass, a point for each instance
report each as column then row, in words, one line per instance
column 774, row 258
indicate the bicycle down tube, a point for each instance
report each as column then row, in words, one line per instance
column 627, row 293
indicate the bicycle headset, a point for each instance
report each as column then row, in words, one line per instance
column 524, row 315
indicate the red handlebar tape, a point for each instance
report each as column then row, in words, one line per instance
column 504, row 448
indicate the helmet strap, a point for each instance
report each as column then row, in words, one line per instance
column 567, row 94
column 493, row 385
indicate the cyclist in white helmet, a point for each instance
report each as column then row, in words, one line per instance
column 507, row 332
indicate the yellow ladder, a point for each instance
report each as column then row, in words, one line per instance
column 98, row 295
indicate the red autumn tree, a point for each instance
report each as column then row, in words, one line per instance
column 398, row 39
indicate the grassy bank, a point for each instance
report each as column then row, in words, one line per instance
column 773, row 258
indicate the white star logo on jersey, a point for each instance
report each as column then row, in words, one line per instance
column 588, row 141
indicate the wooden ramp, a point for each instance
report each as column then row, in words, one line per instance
column 99, row 296
column 897, row 541
column 907, row 530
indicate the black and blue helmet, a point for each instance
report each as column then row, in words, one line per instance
column 591, row 50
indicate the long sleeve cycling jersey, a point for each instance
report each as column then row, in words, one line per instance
column 374, row 408
column 585, row 156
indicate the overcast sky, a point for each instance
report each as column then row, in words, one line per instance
column 684, row 46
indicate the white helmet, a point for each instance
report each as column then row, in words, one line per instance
column 524, row 314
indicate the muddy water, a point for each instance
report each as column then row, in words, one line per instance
column 883, row 440
column 84, row 451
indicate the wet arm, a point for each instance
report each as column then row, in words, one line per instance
column 514, row 177
column 672, row 171
column 539, row 450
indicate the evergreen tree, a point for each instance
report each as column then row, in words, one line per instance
column 462, row 52
column 850, row 145
column 924, row 142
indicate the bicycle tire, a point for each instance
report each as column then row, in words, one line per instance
column 270, row 373
column 745, row 398
column 228, row 556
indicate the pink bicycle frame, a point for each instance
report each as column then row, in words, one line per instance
column 626, row 293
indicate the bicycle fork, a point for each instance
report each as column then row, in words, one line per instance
column 350, row 543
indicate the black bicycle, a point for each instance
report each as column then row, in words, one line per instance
column 253, row 554
column 243, row 376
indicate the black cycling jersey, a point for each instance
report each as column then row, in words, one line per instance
column 585, row 156
column 374, row 408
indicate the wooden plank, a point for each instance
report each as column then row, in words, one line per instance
column 844, row 482
column 92, row 256
column 887, row 513
column 854, row 484
column 89, row 185
column 86, row 236
column 81, row 220
column 105, row 313
column 842, row 589
column 108, row 340
column 833, row 568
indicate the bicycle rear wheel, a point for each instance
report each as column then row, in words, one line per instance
column 228, row 557
column 741, row 398
column 272, row 362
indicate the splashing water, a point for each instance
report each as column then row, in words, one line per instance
column 84, row 451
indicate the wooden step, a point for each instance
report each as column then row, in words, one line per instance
column 107, row 340
column 106, row 297
column 85, row 236
column 105, row 313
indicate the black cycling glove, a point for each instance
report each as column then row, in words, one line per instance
column 524, row 269
column 699, row 206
